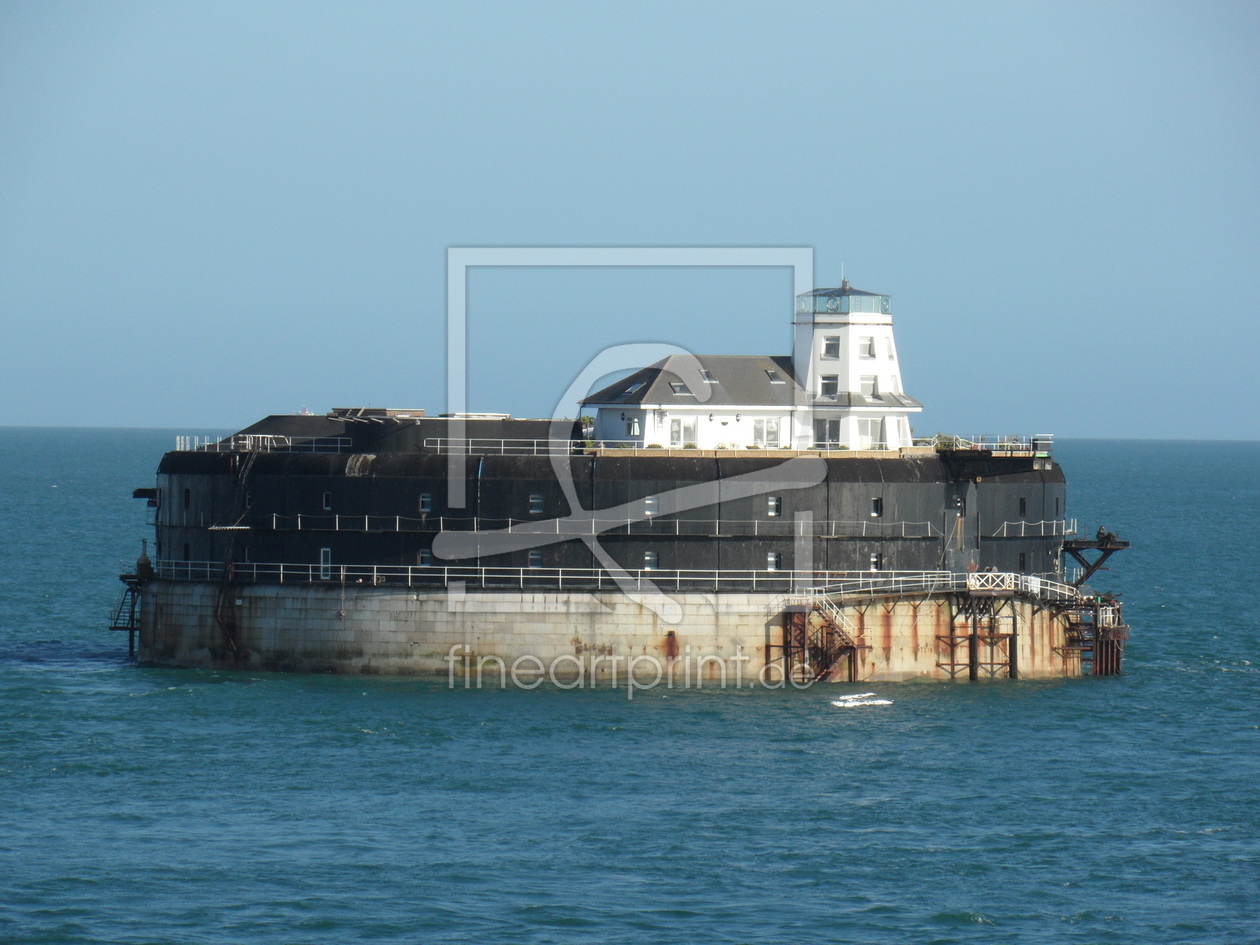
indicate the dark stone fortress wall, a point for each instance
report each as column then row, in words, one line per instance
column 926, row 511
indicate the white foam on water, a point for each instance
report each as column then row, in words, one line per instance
column 857, row 700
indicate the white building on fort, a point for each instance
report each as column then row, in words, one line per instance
column 840, row 389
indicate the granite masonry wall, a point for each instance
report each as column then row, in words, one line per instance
column 571, row 638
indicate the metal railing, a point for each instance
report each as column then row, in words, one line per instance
column 909, row 583
column 782, row 527
column 439, row 576
column 555, row 447
column 1047, row 529
column 264, row 443
column 522, row 447
column 836, row 586
column 1039, row 444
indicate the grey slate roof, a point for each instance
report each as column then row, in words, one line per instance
column 740, row 380
column 849, row 399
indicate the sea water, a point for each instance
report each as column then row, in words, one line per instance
column 151, row 805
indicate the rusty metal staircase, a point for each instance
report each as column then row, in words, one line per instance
column 818, row 643
column 1096, row 634
column 127, row 613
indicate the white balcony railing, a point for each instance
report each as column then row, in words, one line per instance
column 835, row 586
column 264, row 443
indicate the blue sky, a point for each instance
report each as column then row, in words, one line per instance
column 212, row 212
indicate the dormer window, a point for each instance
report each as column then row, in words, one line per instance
column 866, row 347
column 870, row 385
column 634, row 388
column 774, row 376
column 679, row 388
column 829, row 385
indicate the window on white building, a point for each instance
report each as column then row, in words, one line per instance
column 831, row 347
column 826, row 433
column 682, row 431
column 766, row 432
column 866, row 347
column 632, row 426
column 829, row 385
column 870, row 385
column 870, row 433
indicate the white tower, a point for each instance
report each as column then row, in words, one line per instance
column 845, row 361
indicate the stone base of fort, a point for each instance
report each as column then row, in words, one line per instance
column 592, row 639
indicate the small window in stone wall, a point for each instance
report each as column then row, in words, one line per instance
column 327, row 501
column 325, row 563
column 877, row 561
column 535, row 559
column 649, row 560
column 187, row 498
column 877, row 508
column 1023, row 508
column 774, row 506
column 536, row 504
column 424, row 558
column 650, row 505
column 774, row 560
column 426, row 502
column 1023, row 562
